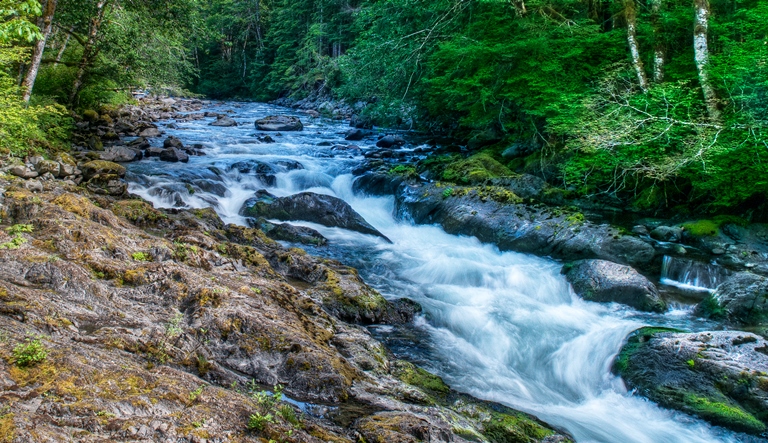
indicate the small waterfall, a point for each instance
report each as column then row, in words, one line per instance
column 692, row 275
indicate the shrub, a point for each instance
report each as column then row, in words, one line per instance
column 29, row 353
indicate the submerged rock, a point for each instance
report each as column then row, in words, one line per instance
column 741, row 299
column 224, row 121
column 604, row 281
column 721, row 377
column 279, row 123
column 290, row 233
column 317, row 208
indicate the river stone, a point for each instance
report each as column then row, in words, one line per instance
column 150, row 132
column 173, row 142
column 107, row 184
column 721, row 376
column 224, row 121
column 667, row 233
column 279, row 123
column 96, row 167
column 605, row 281
column 317, row 208
column 173, row 155
column 289, row 232
column 48, row 166
column 23, row 171
column 121, row 154
column 355, row 135
column 390, row 141
column 742, row 299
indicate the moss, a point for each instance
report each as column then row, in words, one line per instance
column 137, row 212
column 635, row 341
column 475, row 169
column 723, row 414
column 7, row 428
column 135, row 277
column 514, row 428
column 711, row 308
column 416, row 376
column 702, row 228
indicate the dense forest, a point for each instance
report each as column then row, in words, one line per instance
column 658, row 104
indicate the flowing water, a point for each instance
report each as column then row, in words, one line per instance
column 502, row 326
column 692, row 275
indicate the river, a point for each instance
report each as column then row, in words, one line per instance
column 501, row 326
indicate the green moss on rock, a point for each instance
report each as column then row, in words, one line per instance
column 475, row 169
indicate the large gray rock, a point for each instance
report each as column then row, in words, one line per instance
column 718, row 376
column 667, row 233
column 279, row 123
column 605, row 281
column 224, row 121
column 48, row 166
column 173, row 155
column 742, row 299
column 308, row 206
column 497, row 216
column 150, row 132
column 23, row 171
column 121, row 154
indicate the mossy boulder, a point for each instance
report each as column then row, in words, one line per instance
column 96, row 167
column 107, row 184
column 475, row 169
column 742, row 299
column 721, row 377
column 138, row 212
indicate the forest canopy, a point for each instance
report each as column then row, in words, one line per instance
column 658, row 103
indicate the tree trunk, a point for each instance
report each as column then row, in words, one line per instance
column 701, row 56
column 659, row 50
column 64, row 46
column 88, row 51
column 37, row 55
column 634, row 49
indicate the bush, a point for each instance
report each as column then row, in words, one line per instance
column 29, row 353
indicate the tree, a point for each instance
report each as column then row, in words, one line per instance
column 701, row 57
column 44, row 24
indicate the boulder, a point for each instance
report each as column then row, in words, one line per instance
column 150, row 132
column 224, row 121
column 121, row 154
column 308, row 206
column 107, row 184
column 153, row 152
column 741, row 299
column 279, row 123
column 23, row 171
column 173, row 155
column 173, row 142
column 263, row 171
column 720, row 376
column 48, row 166
column 360, row 122
column 390, row 141
column 355, row 135
column 97, row 167
column 667, row 233
column 605, row 281
column 289, row 233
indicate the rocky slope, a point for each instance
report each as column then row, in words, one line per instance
column 119, row 322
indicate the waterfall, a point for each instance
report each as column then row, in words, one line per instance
column 692, row 275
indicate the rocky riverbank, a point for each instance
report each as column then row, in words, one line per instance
column 121, row 322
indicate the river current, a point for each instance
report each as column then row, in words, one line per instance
column 501, row 326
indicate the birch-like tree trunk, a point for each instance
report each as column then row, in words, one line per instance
column 46, row 23
column 88, row 50
column 630, row 15
column 701, row 57
column 64, row 46
column 659, row 50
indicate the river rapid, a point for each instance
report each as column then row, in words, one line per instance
column 501, row 326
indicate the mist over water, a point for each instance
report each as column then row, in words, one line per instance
column 502, row 326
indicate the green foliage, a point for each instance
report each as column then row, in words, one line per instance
column 475, row 169
column 29, row 353
column 270, row 408
column 17, row 240
column 141, row 256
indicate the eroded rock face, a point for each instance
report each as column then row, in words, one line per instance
column 718, row 376
column 742, row 299
column 496, row 215
column 279, row 123
column 154, row 335
column 605, row 281
column 317, row 208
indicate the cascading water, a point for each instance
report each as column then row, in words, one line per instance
column 502, row 326
column 692, row 275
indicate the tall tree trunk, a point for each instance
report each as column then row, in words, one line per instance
column 659, row 49
column 88, row 50
column 701, row 56
column 46, row 23
column 64, row 46
column 634, row 48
